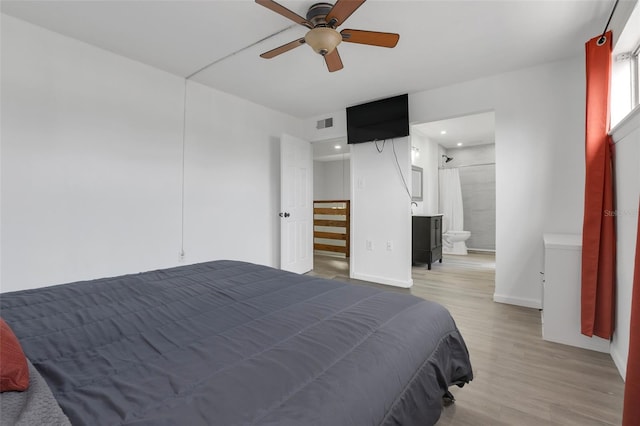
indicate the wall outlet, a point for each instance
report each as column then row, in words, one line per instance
column 369, row 245
column 389, row 246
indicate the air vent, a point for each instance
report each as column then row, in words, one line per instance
column 323, row 124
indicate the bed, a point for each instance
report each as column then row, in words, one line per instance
column 234, row 343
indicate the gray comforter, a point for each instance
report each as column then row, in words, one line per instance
column 233, row 343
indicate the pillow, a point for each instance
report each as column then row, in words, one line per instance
column 14, row 371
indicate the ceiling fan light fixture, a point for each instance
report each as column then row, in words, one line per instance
column 323, row 40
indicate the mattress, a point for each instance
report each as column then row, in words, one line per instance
column 234, row 343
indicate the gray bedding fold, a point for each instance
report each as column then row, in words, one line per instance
column 233, row 343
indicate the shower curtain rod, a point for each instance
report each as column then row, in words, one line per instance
column 467, row 165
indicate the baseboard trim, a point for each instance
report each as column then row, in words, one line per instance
column 620, row 363
column 479, row 250
column 518, row 301
column 382, row 280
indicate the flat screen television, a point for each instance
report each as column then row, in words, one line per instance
column 378, row 120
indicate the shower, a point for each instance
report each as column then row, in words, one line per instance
column 447, row 158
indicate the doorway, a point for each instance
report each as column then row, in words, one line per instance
column 465, row 145
column 332, row 198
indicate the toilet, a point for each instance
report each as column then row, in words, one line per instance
column 451, row 206
column 453, row 242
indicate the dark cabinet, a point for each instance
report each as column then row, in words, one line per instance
column 426, row 239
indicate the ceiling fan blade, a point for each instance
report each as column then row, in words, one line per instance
column 284, row 48
column 281, row 10
column 334, row 63
column 341, row 11
column 373, row 38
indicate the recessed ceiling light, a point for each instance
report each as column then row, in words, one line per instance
column 443, row 132
column 459, row 143
column 337, row 146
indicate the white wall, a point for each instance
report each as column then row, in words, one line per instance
column 331, row 180
column 232, row 177
column 539, row 161
column 627, row 182
column 381, row 213
column 428, row 160
column 92, row 166
column 318, row 179
column 339, row 129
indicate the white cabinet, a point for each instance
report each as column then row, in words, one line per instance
column 561, row 293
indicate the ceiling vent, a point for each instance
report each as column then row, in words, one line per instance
column 324, row 123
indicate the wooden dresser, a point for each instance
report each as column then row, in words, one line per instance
column 426, row 239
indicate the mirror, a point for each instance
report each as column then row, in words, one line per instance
column 416, row 183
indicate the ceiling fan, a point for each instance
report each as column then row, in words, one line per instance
column 322, row 20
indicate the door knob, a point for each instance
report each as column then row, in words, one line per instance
column 285, row 214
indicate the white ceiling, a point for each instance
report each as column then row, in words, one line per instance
column 441, row 42
column 331, row 150
column 476, row 129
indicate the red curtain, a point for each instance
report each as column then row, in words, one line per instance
column 631, row 414
column 598, row 232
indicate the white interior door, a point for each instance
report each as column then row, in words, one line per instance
column 296, row 205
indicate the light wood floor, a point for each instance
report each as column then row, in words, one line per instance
column 520, row 379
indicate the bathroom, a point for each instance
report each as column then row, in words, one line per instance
column 457, row 158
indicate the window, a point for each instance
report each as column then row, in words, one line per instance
column 625, row 78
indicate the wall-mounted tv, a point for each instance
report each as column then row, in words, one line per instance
column 378, row 120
